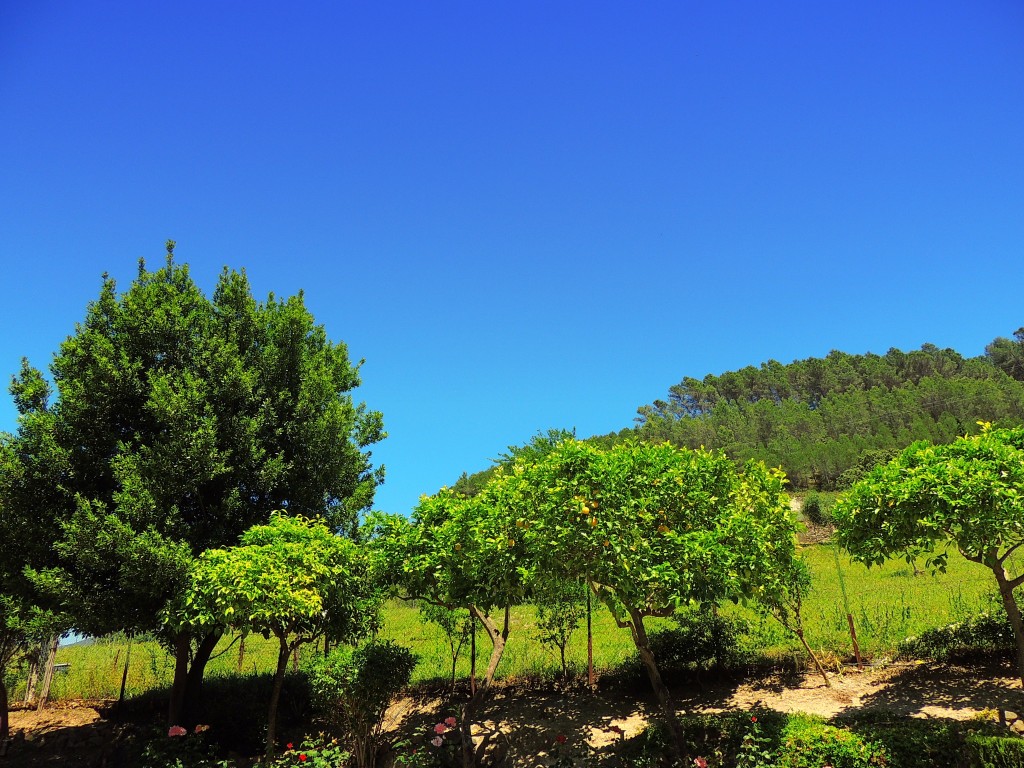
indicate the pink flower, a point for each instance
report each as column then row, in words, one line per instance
column 451, row 722
column 440, row 728
column 437, row 741
column 700, row 762
column 560, row 738
column 176, row 730
column 202, row 728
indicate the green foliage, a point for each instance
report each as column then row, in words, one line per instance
column 981, row 632
column 180, row 422
column 317, row 752
column 178, row 748
column 819, row 417
column 995, row 751
column 912, row 742
column 561, row 606
column 701, row 640
column 354, row 687
column 455, row 623
column 808, row 742
column 817, row 508
column 291, row 578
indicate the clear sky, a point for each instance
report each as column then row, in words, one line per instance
column 524, row 215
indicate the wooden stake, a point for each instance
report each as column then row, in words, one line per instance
column 124, row 676
column 33, row 679
column 853, row 636
column 48, row 674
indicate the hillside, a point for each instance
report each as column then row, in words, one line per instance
column 825, row 419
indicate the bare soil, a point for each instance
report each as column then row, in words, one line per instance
column 523, row 722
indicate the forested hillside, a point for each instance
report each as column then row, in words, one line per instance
column 821, row 417
column 824, row 420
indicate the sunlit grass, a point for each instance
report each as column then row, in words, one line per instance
column 888, row 603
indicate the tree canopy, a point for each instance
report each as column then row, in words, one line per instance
column 968, row 495
column 179, row 422
column 292, row 578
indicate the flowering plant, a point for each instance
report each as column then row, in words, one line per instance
column 315, row 752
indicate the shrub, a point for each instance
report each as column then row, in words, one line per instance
column 817, row 508
column 700, row 640
column 807, row 742
column 985, row 631
column 995, row 751
column 354, row 687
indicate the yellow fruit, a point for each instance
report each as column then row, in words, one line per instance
column 511, row 542
column 458, row 547
column 593, row 522
column 662, row 528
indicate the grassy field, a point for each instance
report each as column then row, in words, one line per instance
column 887, row 603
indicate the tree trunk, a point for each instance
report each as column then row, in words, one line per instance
column 499, row 638
column 275, row 696
column 5, row 722
column 1013, row 614
column 192, row 704
column 814, row 658
column 668, row 709
column 181, row 650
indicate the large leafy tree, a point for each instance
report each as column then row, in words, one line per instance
column 292, row 579
column 180, row 422
column 652, row 528
column 967, row 495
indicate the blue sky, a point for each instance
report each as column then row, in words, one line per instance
column 524, row 215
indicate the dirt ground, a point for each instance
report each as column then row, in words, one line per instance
column 523, row 723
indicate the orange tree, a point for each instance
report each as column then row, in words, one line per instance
column 461, row 552
column 651, row 528
column 967, row 495
column 292, row 578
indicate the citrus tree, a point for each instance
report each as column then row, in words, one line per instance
column 292, row 579
column 465, row 552
column 967, row 495
column 652, row 528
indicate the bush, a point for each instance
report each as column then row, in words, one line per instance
column 817, row 508
column 995, row 751
column 807, row 742
column 354, row 687
column 983, row 632
column 701, row 640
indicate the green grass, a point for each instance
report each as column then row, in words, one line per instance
column 888, row 604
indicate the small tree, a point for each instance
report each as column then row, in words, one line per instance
column 967, row 495
column 455, row 623
column 293, row 579
column 353, row 687
column 465, row 552
column 561, row 606
column 783, row 599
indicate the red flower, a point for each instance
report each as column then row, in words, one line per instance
column 560, row 738
column 440, row 728
column 753, row 718
column 700, row 762
column 302, row 757
column 289, row 745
